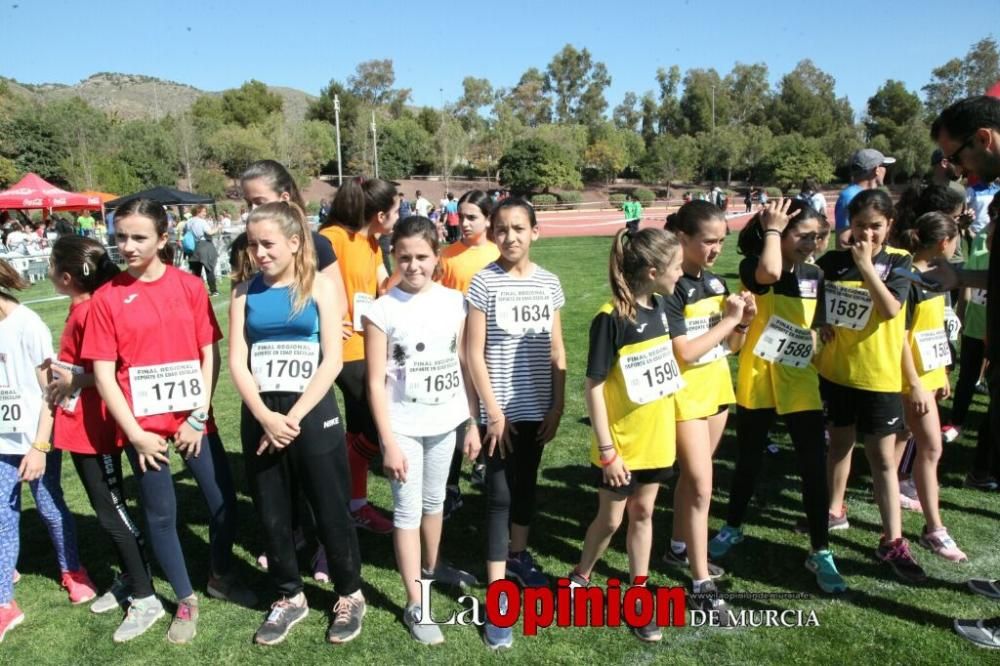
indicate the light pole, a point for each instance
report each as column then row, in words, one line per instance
column 374, row 144
column 336, row 116
column 444, row 142
column 713, row 109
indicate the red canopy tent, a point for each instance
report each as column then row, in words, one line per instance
column 33, row 192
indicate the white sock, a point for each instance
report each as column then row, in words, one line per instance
column 356, row 504
column 677, row 546
column 696, row 585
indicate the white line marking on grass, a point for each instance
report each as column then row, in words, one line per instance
column 44, row 300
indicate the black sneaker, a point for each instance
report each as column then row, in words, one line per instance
column 450, row 575
column 452, row 501
column 987, row 483
column 982, row 633
column 897, row 555
column 673, row 559
column 347, row 615
column 478, row 475
column 283, row 616
column 650, row 633
column 708, row 600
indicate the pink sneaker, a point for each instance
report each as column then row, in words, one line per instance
column 262, row 561
column 369, row 518
column 81, row 589
column 10, row 617
column 321, row 571
column 950, row 433
column 940, row 543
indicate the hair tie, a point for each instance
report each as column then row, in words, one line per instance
column 360, row 180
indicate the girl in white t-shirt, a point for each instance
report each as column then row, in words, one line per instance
column 26, row 450
column 419, row 394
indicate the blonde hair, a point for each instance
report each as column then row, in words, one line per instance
column 632, row 255
column 292, row 221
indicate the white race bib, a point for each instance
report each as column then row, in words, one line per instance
column 651, row 374
column 284, row 365
column 13, row 417
column 69, row 404
column 952, row 324
column 979, row 297
column 699, row 326
column 361, row 304
column 166, row 388
column 524, row 310
column 432, row 381
column 848, row 307
column 785, row 343
column 934, row 350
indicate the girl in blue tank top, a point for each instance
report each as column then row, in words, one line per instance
column 284, row 355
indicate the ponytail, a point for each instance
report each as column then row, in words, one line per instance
column 85, row 260
column 928, row 230
column 10, row 280
column 632, row 255
column 358, row 201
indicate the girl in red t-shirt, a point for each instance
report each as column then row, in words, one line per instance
column 152, row 336
column 83, row 427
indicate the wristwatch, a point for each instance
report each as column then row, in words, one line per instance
column 44, row 447
column 200, row 416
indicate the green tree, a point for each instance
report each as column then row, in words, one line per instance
column 705, row 102
column 405, row 148
column 210, row 181
column 208, row 114
column 250, row 104
column 795, row 158
column 530, row 103
column 373, row 82
column 149, row 150
column 533, row 164
column 721, row 151
column 670, row 158
column 234, row 148
column 577, row 84
column 626, row 115
column 476, row 94
column 572, row 138
column 749, row 93
column 891, row 108
column 758, row 142
column 649, row 111
column 669, row 116
column 8, row 172
column 806, row 103
column 960, row 78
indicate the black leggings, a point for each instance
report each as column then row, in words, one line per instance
column 807, row 432
column 968, row 372
column 510, row 488
column 351, row 382
column 101, row 475
column 317, row 461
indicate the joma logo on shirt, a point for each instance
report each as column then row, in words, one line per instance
column 130, row 298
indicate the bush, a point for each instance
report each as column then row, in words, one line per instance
column 571, row 197
column 773, row 192
column 544, row 199
column 616, row 200
column 644, row 196
column 792, row 193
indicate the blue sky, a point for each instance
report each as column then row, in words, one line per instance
column 215, row 45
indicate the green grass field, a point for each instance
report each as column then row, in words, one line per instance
column 878, row 621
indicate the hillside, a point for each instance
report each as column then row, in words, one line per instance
column 130, row 96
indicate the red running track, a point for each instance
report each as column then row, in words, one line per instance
column 562, row 224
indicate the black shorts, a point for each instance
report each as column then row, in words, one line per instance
column 658, row 475
column 873, row 413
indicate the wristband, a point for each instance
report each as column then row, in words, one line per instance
column 742, row 328
column 200, row 416
column 773, row 231
column 197, row 426
column 44, row 447
column 605, row 463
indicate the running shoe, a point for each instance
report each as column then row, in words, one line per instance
column 650, row 632
column 834, row 522
column 522, row 568
column 940, row 543
column 987, row 483
column 348, row 612
column 675, row 559
column 140, row 616
column 985, row 587
column 452, row 501
column 827, row 577
column 722, row 543
column 283, row 616
column 982, row 633
column 116, row 596
column 909, row 500
column 79, row 586
column 577, row 579
column 982, row 388
column 10, row 617
column 184, row 626
column 371, row 519
column 262, row 561
column 498, row 638
column 707, row 599
column 428, row 634
column 230, row 588
column 447, row 574
column 17, row 576
column 950, row 433
column 478, row 476
column 320, row 567
column 898, row 556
